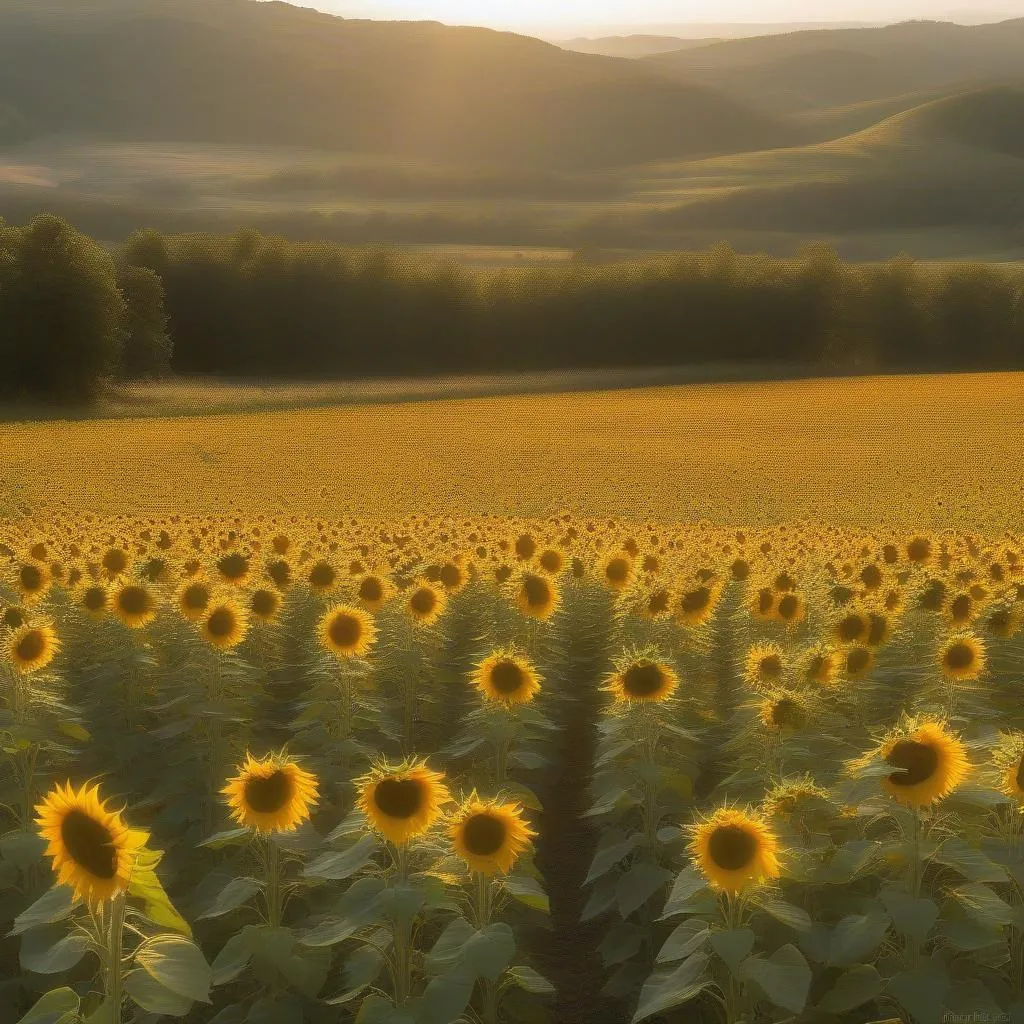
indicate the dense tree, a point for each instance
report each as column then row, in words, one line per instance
column 146, row 345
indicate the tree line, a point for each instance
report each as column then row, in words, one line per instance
column 75, row 314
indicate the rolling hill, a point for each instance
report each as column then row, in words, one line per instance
column 234, row 71
column 803, row 71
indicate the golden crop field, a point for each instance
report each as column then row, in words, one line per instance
column 927, row 451
column 337, row 714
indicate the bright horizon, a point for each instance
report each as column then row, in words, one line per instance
column 600, row 16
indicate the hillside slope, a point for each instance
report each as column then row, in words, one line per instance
column 802, row 71
column 234, row 71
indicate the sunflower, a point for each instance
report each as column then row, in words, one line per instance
column 452, row 576
column 919, row 550
column 765, row 665
column 347, row 632
column 264, row 604
column 859, row 661
column 793, row 796
column 962, row 657
column 94, row 600
column 784, row 712
column 224, row 625
column 373, row 591
column 32, row 648
column 790, row 608
column 234, row 568
column 193, row 599
column 506, row 677
column 13, row 617
column 322, row 577
column 852, row 628
column 762, row 604
column 642, row 680
column 114, row 562
column 92, row 850
column 135, row 605
column 34, row 579
column 929, row 762
column 734, row 848
column 279, row 572
column 425, row 603
column 616, row 572
column 536, row 596
column 655, row 605
column 551, row 561
column 1007, row 759
column 402, row 801
column 820, row 666
column 1003, row 621
column 697, row 605
column 489, row 836
column 271, row 795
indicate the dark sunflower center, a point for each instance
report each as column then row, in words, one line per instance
column 423, row 601
column 642, row 680
column 919, row 549
column 322, row 575
column 617, row 570
column 507, row 677
column 695, row 600
column 371, row 589
column 280, row 572
column 961, row 607
column 658, row 602
column 536, row 591
column 916, row 762
column 789, row 605
column 765, row 601
column 269, row 793
column 31, row 577
column 740, row 569
column 89, row 844
column 551, row 560
column 31, row 645
column 851, row 628
column 95, row 599
column 525, row 546
column 787, row 714
column 233, row 566
column 221, row 622
column 264, row 602
column 13, row 618
column 345, row 630
column 398, row 798
column 771, row 666
column 197, row 596
column 732, row 847
column 134, row 600
column 857, row 660
column 484, row 834
column 959, row 655
column 450, row 575
column 114, row 561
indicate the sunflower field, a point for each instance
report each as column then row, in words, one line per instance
column 282, row 769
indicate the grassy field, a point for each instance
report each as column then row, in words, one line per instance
column 920, row 451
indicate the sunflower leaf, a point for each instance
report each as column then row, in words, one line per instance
column 50, row 951
column 687, row 937
column 54, row 905
column 232, row 896
column 177, row 963
column 687, row 884
column 527, row 890
column 156, row 904
column 56, row 1007
column 852, row 989
column 154, row 997
column 784, row 977
column 337, row 865
column 638, row 885
column 666, row 989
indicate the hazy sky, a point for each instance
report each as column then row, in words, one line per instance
column 604, row 14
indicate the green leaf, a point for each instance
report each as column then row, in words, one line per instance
column 666, row 989
column 445, row 953
column 638, row 885
column 785, row 912
column 231, row 837
column 54, row 905
column 733, row 946
column 74, row 731
column 154, row 997
column 361, row 905
column 922, row 992
column 22, row 848
column 401, row 903
column 488, row 952
column 983, row 904
column 855, row 937
column 345, row 863
column 784, row 977
column 232, row 896
column 527, row 890
column 621, row 943
column 53, row 1008
column 687, row 937
column 146, row 886
column 362, row 967
column 970, row 862
column 177, row 963
column 233, row 958
column 910, row 917
column 853, row 988
column 527, row 978
column 613, row 847
column 45, row 952
column 687, row 884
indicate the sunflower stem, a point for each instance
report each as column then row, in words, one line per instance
column 483, row 900
column 113, row 990
column 403, row 934
column 273, row 884
column 915, row 876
